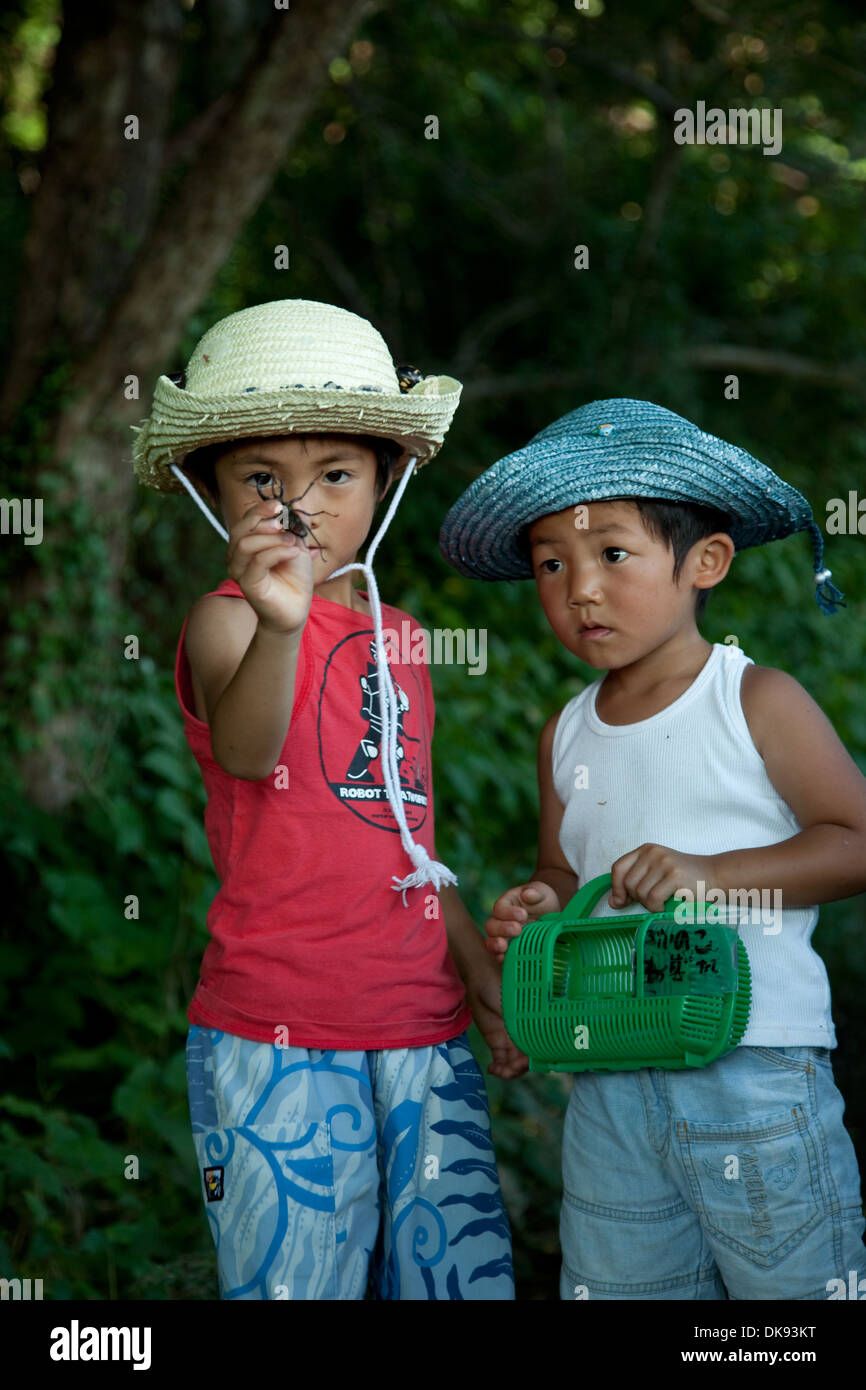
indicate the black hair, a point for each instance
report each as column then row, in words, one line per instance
column 201, row 463
column 680, row 525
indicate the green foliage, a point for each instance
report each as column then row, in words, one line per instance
column 30, row 34
column 95, row 989
column 461, row 250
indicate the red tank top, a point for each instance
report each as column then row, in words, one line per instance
column 307, row 935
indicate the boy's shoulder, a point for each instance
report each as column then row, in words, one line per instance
column 210, row 617
column 766, row 693
column 762, row 682
column 215, row 639
column 548, row 732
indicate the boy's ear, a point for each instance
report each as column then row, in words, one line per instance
column 713, row 556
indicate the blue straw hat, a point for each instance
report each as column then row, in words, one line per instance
column 621, row 448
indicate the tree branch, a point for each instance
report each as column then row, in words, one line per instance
column 185, row 144
column 92, row 178
column 766, row 362
column 488, row 326
column 618, row 72
column 220, row 191
column 706, row 356
column 711, row 11
column 333, row 264
column 522, row 383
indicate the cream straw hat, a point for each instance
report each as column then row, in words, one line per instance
column 290, row 366
column 297, row 366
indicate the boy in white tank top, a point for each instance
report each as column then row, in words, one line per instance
column 696, row 772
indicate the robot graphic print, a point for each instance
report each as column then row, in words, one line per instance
column 350, row 733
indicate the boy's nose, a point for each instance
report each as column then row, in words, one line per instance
column 583, row 589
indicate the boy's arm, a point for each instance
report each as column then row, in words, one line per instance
column 245, row 654
column 552, row 867
column 812, row 771
column 554, row 882
column 247, row 674
column 465, row 942
column 483, row 980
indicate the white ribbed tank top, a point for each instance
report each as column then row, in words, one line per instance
column 690, row 777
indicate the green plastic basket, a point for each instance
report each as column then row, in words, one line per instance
column 618, row 993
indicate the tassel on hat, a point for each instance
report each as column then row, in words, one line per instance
column 827, row 596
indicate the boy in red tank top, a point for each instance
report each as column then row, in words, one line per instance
column 339, row 1117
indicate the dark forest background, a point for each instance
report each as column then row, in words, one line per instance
column 306, row 128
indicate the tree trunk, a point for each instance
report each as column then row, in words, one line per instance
column 110, row 277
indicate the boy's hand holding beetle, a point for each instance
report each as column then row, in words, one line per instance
column 273, row 567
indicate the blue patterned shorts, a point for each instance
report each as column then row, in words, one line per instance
column 325, row 1172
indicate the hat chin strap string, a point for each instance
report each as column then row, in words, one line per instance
column 199, row 501
column 426, row 870
column 827, row 596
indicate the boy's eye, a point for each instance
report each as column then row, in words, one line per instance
column 545, row 563
column 265, row 483
column 334, row 473
column 611, row 552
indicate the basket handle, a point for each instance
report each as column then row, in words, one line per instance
column 588, row 894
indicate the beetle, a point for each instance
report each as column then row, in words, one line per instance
column 273, row 492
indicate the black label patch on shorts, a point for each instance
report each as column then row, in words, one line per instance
column 213, row 1183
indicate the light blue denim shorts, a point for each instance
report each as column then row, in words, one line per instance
column 733, row 1181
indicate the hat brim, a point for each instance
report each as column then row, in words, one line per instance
column 181, row 422
column 483, row 535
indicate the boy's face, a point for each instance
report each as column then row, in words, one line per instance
column 607, row 586
column 328, row 480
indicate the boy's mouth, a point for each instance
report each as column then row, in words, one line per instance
column 593, row 630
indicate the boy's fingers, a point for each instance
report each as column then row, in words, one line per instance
column 249, row 550
column 540, row 897
column 496, row 945
column 259, row 510
column 508, row 1070
column 508, row 916
column 261, row 519
column 619, row 894
column 508, row 908
column 502, row 931
column 259, row 561
column 651, row 887
column 252, row 545
column 503, row 926
column 641, row 880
